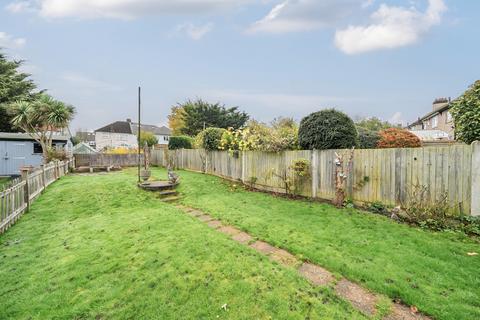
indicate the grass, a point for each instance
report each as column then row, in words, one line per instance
column 97, row 247
column 3, row 181
column 429, row 270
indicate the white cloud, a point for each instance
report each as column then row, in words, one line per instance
column 19, row 6
column 304, row 15
column 193, row 31
column 8, row 41
column 84, row 82
column 391, row 27
column 122, row 9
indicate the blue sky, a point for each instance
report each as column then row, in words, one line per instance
column 271, row 58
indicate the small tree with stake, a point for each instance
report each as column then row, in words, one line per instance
column 342, row 172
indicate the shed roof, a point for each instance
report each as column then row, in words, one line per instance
column 83, row 148
column 26, row 136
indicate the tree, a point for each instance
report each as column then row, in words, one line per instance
column 149, row 138
column 175, row 120
column 14, row 85
column 212, row 138
column 374, row 124
column 466, row 114
column 367, row 139
column 327, row 129
column 41, row 118
column 398, row 138
column 199, row 114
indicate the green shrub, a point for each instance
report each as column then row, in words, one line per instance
column 367, row 139
column 466, row 114
column 327, row 129
column 180, row 142
column 212, row 138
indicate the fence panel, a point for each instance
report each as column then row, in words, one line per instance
column 15, row 199
column 102, row 160
column 390, row 176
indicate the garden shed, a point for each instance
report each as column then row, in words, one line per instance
column 19, row 149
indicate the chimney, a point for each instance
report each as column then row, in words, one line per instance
column 129, row 120
column 440, row 103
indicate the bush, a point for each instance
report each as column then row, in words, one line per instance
column 149, row 138
column 398, row 138
column 466, row 114
column 180, row 142
column 212, row 138
column 327, row 129
column 367, row 139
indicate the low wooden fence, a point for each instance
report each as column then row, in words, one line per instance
column 102, row 160
column 17, row 196
column 389, row 176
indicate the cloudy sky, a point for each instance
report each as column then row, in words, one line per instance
column 384, row 58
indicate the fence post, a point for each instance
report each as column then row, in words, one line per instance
column 314, row 168
column 475, row 198
column 26, row 190
column 244, row 160
column 42, row 167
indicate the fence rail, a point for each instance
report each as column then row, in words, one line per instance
column 16, row 198
column 389, row 176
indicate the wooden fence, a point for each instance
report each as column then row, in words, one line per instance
column 17, row 196
column 102, row 160
column 389, row 176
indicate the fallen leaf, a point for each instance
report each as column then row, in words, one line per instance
column 224, row 307
column 472, row 254
column 414, row 309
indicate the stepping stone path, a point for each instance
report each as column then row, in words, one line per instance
column 359, row 297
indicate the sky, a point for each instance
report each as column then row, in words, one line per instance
column 271, row 58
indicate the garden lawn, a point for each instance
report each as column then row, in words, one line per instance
column 426, row 269
column 3, row 181
column 97, row 247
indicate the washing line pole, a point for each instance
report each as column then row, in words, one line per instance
column 139, row 131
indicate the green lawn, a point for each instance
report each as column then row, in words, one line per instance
column 97, row 247
column 429, row 270
column 3, row 181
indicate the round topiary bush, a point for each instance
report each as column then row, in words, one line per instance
column 180, row 142
column 327, row 129
column 212, row 138
column 398, row 138
column 367, row 139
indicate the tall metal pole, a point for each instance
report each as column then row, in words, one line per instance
column 139, row 131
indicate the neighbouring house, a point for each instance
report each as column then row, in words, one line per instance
column 19, row 149
column 124, row 134
column 86, row 137
column 83, row 148
column 437, row 124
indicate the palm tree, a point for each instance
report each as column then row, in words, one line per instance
column 41, row 118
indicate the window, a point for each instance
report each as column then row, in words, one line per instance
column 449, row 117
column 165, row 138
column 434, row 122
column 37, row 148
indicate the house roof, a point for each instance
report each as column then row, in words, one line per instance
column 430, row 135
column 132, row 128
column 429, row 115
column 152, row 129
column 25, row 136
column 83, row 148
column 117, row 127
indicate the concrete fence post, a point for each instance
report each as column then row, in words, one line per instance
column 314, row 169
column 26, row 190
column 475, row 207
